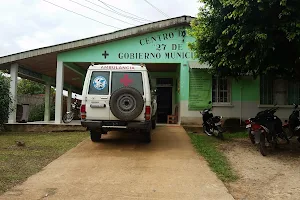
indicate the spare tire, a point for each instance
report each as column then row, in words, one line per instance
column 126, row 103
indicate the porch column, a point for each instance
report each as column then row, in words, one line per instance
column 13, row 91
column 184, row 90
column 59, row 92
column 69, row 99
column 47, row 102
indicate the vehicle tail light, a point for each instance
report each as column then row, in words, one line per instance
column 148, row 113
column 256, row 127
column 83, row 111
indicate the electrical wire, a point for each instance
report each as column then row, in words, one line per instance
column 111, row 7
column 157, row 9
column 138, row 19
column 82, row 15
column 102, row 13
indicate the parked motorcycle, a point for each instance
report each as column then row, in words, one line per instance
column 251, row 129
column 266, row 128
column 75, row 111
column 292, row 126
column 212, row 124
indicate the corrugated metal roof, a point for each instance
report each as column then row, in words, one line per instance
column 197, row 65
column 130, row 32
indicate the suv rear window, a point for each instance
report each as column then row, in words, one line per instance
column 124, row 79
column 99, row 84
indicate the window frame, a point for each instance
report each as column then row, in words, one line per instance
column 108, row 83
column 217, row 91
column 289, row 85
column 128, row 72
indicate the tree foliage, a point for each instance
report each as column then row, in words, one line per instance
column 5, row 99
column 237, row 37
column 30, row 87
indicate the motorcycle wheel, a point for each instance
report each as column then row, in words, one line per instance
column 262, row 145
column 288, row 133
column 205, row 131
column 68, row 117
column 251, row 136
column 220, row 132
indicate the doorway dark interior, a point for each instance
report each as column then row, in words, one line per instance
column 164, row 103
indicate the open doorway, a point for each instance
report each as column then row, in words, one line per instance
column 164, row 98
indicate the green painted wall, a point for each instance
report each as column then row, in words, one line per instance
column 250, row 89
column 184, row 81
column 166, row 46
column 177, row 98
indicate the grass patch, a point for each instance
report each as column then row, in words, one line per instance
column 236, row 135
column 208, row 148
column 17, row 163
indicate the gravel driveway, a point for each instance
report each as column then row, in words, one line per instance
column 275, row 176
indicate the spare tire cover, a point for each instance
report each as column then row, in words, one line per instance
column 126, row 103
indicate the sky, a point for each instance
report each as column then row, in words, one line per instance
column 31, row 24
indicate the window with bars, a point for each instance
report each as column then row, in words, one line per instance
column 221, row 92
column 279, row 91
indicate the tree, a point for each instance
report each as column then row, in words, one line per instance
column 5, row 99
column 30, row 87
column 236, row 37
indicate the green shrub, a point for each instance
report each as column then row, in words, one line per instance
column 5, row 99
column 37, row 113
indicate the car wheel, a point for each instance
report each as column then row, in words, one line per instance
column 147, row 136
column 153, row 122
column 95, row 136
column 126, row 103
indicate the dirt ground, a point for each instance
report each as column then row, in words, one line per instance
column 276, row 176
column 122, row 167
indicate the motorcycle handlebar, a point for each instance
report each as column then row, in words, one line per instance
column 295, row 106
column 271, row 110
column 208, row 109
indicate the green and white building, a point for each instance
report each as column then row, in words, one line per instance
column 182, row 83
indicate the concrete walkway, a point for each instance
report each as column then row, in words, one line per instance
column 121, row 167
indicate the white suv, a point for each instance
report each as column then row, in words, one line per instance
column 118, row 97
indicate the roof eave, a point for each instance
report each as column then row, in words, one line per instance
column 117, row 35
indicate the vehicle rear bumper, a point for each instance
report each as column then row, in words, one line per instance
column 115, row 125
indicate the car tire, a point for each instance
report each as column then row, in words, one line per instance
column 95, row 136
column 153, row 124
column 147, row 136
column 126, row 103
